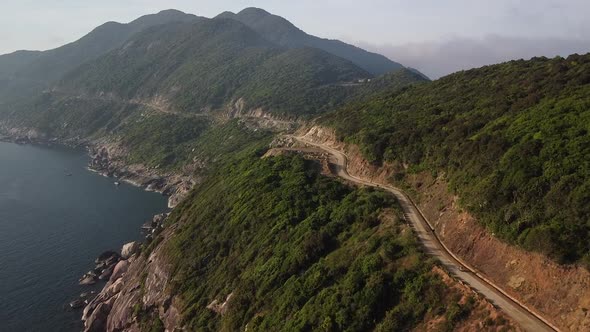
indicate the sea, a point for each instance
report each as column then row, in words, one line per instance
column 56, row 217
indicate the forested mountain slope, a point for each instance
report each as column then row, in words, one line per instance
column 24, row 74
column 300, row 251
column 13, row 62
column 283, row 32
column 512, row 139
column 212, row 63
column 166, row 86
column 163, row 87
column 50, row 65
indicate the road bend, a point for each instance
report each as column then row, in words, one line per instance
column 523, row 315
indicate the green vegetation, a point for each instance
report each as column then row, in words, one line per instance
column 512, row 140
column 215, row 62
column 173, row 142
column 48, row 66
column 161, row 139
column 171, row 82
column 284, row 33
column 298, row 251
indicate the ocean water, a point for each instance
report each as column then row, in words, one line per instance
column 52, row 227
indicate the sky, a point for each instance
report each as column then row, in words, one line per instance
column 434, row 36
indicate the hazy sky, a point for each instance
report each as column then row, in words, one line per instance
column 414, row 32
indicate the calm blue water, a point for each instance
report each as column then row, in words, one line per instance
column 52, row 227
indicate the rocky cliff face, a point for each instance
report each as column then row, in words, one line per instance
column 530, row 277
column 136, row 296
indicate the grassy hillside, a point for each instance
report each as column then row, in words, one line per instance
column 299, row 251
column 512, row 140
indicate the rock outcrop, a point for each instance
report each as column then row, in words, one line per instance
column 130, row 249
column 108, row 159
column 137, row 288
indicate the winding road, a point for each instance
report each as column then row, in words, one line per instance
column 524, row 316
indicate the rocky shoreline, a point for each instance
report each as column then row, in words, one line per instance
column 135, row 288
column 108, row 159
column 111, row 267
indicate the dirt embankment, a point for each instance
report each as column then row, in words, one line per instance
column 560, row 293
column 482, row 317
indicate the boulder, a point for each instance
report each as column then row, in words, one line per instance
column 106, row 256
column 119, row 270
column 112, row 260
column 130, row 249
column 88, row 279
column 76, row 304
column 106, row 273
column 97, row 322
column 113, row 289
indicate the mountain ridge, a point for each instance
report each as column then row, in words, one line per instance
column 285, row 33
column 51, row 64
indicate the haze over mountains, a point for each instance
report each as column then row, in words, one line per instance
column 255, row 36
column 446, row 56
column 172, row 65
column 216, row 112
column 111, row 35
column 282, row 32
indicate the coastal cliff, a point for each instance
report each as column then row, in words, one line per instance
column 107, row 159
column 136, row 294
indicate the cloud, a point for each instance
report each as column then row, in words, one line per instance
column 436, row 59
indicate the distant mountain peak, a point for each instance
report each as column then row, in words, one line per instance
column 282, row 32
column 254, row 11
column 171, row 11
column 165, row 16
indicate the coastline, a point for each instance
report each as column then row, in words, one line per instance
column 107, row 159
column 120, row 291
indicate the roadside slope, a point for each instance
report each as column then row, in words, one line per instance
column 521, row 314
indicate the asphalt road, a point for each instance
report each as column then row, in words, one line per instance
column 524, row 316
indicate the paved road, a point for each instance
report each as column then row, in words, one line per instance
column 519, row 312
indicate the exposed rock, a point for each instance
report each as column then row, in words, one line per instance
column 106, row 273
column 77, row 304
column 220, row 308
column 113, row 289
column 97, row 322
column 119, row 270
column 88, row 279
column 123, row 294
column 516, row 281
column 130, row 249
column 106, row 256
column 109, row 159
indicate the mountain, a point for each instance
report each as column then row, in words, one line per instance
column 11, row 63
column 511, row 140
column 175, row 74
column 189, row 71
column 50, row 65
column 212, row 63
column 282, row 32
